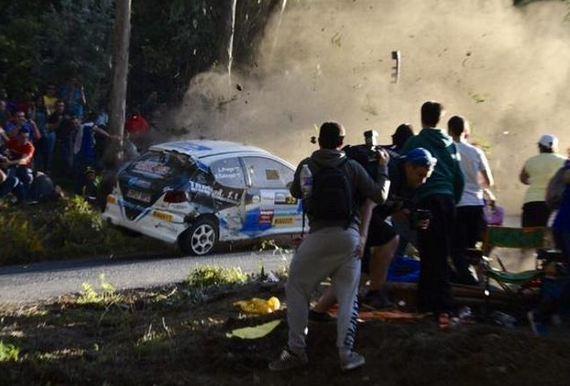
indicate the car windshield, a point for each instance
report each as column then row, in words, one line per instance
column 163, row 164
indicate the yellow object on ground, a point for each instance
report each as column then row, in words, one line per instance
column 255, row 332
column 259, row 306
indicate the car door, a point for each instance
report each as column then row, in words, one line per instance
column 229, row 196
column 271, row 208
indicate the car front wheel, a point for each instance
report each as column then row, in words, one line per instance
column 200, row 238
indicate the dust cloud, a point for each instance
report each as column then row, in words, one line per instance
column 505, row 69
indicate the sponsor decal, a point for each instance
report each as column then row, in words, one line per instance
column 162, row 216
column 283, row 221
column 152, row 167
column 284, row 199
column 135, row 181
column 139, row 196
column 217, row 192
column 191, row 146
column 266, row 217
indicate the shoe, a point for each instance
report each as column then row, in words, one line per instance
column 320, row 317
column 377, row 300
column 351, row 361
column 288, row 360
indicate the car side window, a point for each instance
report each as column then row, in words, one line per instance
column 228, row 172
column 268, row 173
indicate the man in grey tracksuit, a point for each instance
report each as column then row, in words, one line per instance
column 330, row 249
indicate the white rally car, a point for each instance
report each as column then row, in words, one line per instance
column 196, row 193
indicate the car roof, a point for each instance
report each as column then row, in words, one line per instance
column 201, row 148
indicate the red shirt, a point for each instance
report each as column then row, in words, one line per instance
column 19, row 151
column 137, row 125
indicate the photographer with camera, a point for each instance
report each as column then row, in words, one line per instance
column 332, row 247
column 439, row 195
column 407, row 173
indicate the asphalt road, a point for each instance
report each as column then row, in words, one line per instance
column 43, row 281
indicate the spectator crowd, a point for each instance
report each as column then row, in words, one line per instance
column 366, row 202
column 53, row 135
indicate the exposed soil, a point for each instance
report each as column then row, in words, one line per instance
column 159, row 337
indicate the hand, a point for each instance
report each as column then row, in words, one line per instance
column 382, row 156
column 402, row 215
column 361, row 247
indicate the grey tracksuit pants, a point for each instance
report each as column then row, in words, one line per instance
column 326, row 252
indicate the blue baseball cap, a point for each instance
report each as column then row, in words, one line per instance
column 420, row 157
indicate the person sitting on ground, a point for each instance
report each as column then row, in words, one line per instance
column 537, row 172
column 478, row 179
column 8, row 183
column 19, row 162
column 23, row 124
column 439, row 196
column 43, row 189
column 406, row 174
column 332, row 246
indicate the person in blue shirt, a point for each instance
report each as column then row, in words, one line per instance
column 561, row 225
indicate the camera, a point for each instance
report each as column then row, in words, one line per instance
column 419, row 215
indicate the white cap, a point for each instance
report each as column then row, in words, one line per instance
column 549, row 141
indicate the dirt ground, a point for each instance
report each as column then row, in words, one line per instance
column 163, row 336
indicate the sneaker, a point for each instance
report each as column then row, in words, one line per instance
column 288, row 360
column 320, row 317
column 351, row 361
column 377, row 300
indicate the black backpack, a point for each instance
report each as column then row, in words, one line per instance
column 331, row 197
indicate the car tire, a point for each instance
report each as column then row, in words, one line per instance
column 201, row 238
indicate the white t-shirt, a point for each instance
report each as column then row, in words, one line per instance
column 540, row 169
column 473, row 162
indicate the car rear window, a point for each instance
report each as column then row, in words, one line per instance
column 163, row 164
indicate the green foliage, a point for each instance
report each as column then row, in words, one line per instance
column 8, row 352
column 45, row 41
column 205, row 277
column 69, row 228
column 50, row 41
column 18, row 238
column 106, row 297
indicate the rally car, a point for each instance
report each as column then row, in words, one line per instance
column 198, row 193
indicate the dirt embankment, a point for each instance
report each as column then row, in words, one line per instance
column 163, row 336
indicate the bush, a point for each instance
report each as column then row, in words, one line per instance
column 18, row 238
column 8, row 352
column 205, row 277
column 70, row 228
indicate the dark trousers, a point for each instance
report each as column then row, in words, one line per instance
column 535, row 214
column 434, row 244
column 469, row 227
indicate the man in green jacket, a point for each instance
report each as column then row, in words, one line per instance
column 438, row 195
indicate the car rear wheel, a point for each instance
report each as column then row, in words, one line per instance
column 200, row 238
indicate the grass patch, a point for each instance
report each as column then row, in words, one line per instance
column 69, row 228
column 8, row 352
column 161, row 336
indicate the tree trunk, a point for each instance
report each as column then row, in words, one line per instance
column 121, row 33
